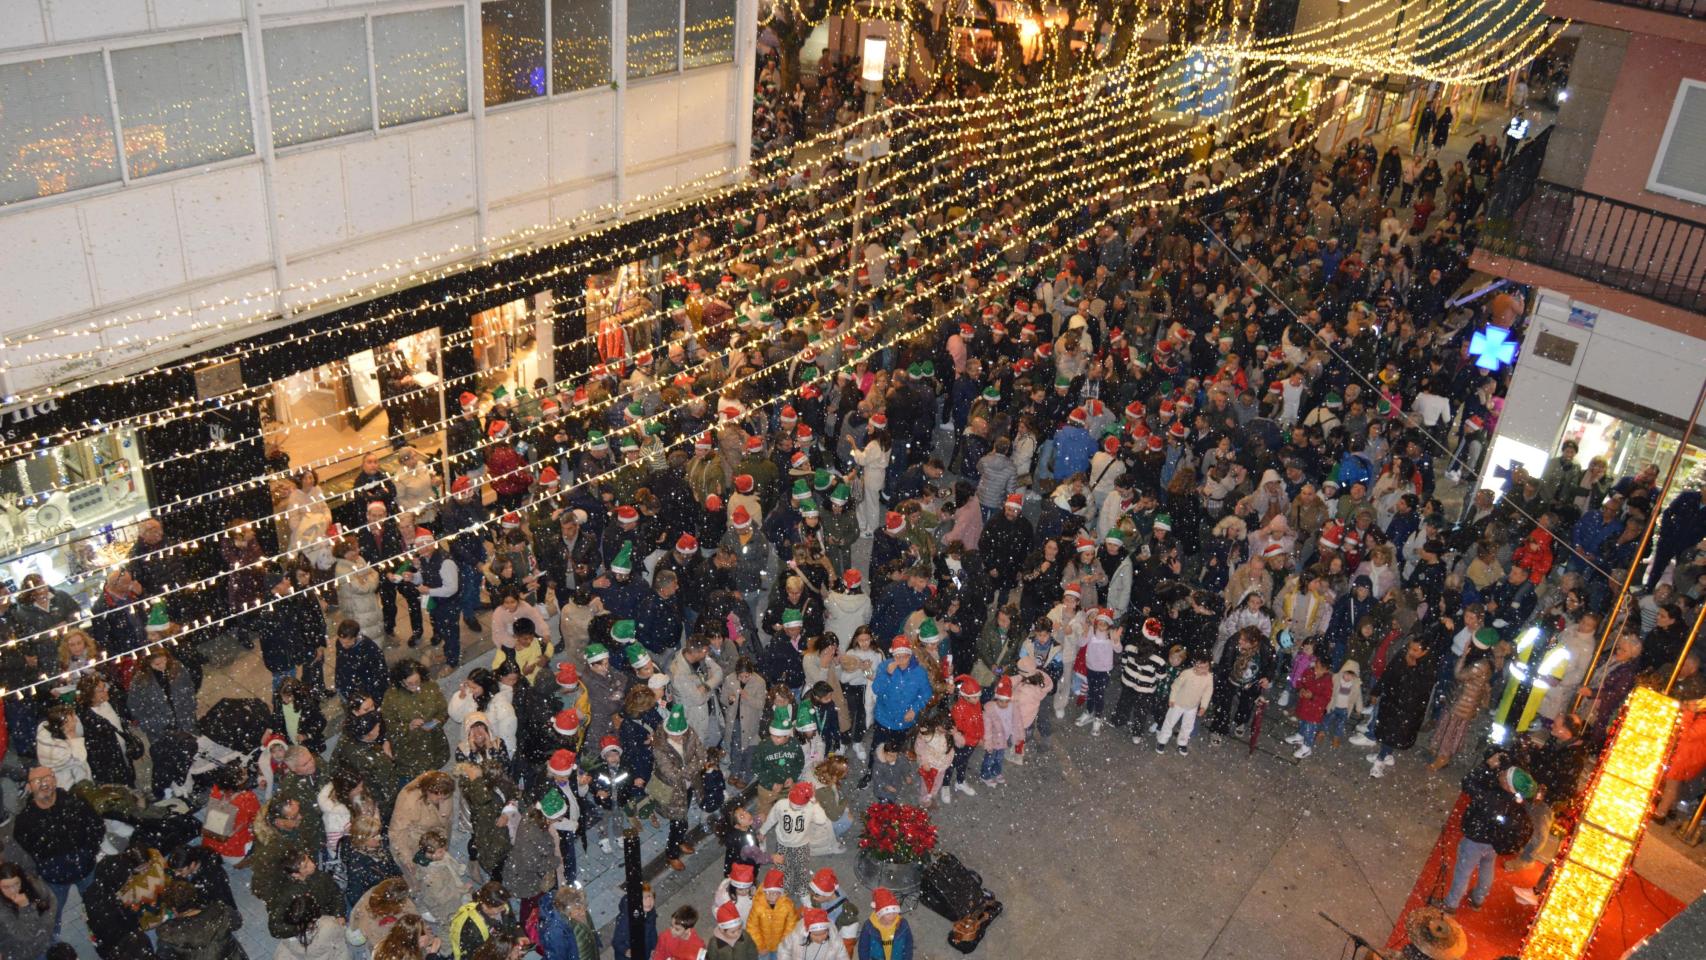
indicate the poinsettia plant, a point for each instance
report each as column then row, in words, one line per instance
column 897, row 833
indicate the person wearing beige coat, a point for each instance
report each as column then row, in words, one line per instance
column 427, row 803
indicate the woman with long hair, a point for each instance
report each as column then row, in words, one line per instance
column 313, row 934
column 411, row 938
column 873, row 461
column 60, row 746
column 1474, row 675
column 112, row 747
column 425, row 804
column 26, row 914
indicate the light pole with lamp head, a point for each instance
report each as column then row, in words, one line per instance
column 873, row 57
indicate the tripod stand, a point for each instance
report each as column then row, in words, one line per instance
column 1359, row 946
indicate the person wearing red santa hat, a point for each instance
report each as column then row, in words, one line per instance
column 800, row 825
column 730, row 941
column 813, row 938
column 886, row 935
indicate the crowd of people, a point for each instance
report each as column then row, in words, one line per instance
column 1184, row 474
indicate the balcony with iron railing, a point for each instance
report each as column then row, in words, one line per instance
column 1616, row 244
column 1693, row 9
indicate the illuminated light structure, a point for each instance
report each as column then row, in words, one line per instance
column 1599, row 852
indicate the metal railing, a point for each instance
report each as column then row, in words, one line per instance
column 1610, row 242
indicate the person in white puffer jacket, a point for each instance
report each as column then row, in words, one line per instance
column 1187, row 701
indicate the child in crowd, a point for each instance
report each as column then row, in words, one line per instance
column 934, row 756
column 739, row 833
column 773, row 914
column 1187, row 700
column 821, row 696
column 1142, row 661
column 890, row 774
column 612, row 790
column 1300, row 661
column 778, row 762
column 1028, row 693
column 713, row 789
column 999, row 730
column 1347, row 699
column 1314, row 698
column 967, row 716
column 1098, row 650
column 812, row 747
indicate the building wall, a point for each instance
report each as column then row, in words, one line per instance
column 1619, row 355
column 322, row 219
column 1640, row 105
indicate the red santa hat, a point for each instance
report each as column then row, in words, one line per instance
column 894, row 523
column 627, row 514
column 743, row 482
column 610, row 742
column 567, row 677
column 713, row 502
column 851, row 578
column 510, row 520
column 773, row 880
column 789, row 415
column 498, row 428
column 548, row 477
column 468, row 400
column 562, row 763
column 883, row 901
column 1004, row 688
column 1015, row 501
column 824, row 883
column 702, row 443
column 900, row 644
column 686, row 543
column 1155, row 443
column 741, row 874
column 741, row 518
column 815, row 920
column 754, row 444
column 728, row 915
column 800, row 794
column 968, row 687
column 1078, row 416
column 566, row 722
column 1152, row 628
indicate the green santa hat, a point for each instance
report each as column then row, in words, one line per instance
column 629, row 443
column 801, row 489
column 808, row 507
column 928, row 632
column 624, row 561
column 636, row 410
column 781, row 722
column 553, row 805
column 792, row 617
column 1063, row 381
column 622, row 631
column 637, row 656
column 993, row 394
column 1163, row 522
column 595, row 441
column 596, row 652
column 1115, row 536
column 805, row 718
column 822, row 479
column 500, row 394
column 1485, row 638
column 841, row 494
column 158, row 620
column 676, row 725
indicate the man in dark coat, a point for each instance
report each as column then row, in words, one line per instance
column 61, row 833
column 1681, row 526
column 360, row 667
column 1494, row 822
column 381, row 543
column 1004, row 544
column 1403, row 697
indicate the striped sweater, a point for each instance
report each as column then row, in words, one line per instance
column 1142, row 664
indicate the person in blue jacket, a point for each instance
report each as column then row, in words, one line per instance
column 622, row 946
column 1073, row 445
column 886, row 934
column 901, row 688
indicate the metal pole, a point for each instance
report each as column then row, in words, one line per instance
column 1646, row 537
column 855, row 254
column 634, row 884
column 1687, row 645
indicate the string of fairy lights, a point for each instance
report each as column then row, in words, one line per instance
column 218, row 494
column 197, row 585
column 1117, row 192
column 263, row 301
column 1091, row 118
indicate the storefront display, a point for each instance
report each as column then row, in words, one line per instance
column 512, row 343
column 1629, row 442
column 332, row 415
column 68, row 508
column 613, row 300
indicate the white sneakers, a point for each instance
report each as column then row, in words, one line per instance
column 1083, row 719
column 1285, row 697
column 1294, row 738
column 947, row 796
column 1377, row 771
column 604, row 846
column 965, row 788
column 1302, row 752
column 1060, row 713
column 1526, row 895
column 1359, row 740
column 1375, row 758
column 1096, row 727
column 859, row 751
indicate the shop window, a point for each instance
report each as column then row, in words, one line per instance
column 580, row 44
column 421, row 64
column 1629, row 442
column 709, row 37
column 56, row 127
column 654, row 37
column 317, row 82
column 506, row 345
column 68, row 509
column 614, row 300
column 373, row 401
column 183, row 104
column 512, row 40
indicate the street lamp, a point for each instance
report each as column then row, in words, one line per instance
column 874, row 56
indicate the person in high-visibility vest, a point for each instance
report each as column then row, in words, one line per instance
column 474, row 923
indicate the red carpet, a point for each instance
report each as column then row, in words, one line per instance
column 1496, row 930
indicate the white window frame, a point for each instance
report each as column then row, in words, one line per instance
column 1654, row 185
column 375, row 130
